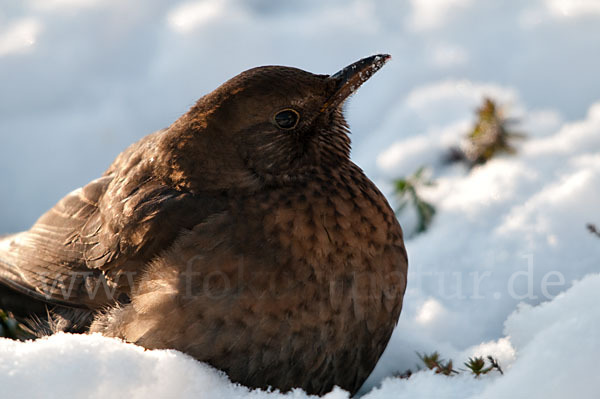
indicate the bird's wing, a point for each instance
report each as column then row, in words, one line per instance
column 88, row 248
column 45, row 261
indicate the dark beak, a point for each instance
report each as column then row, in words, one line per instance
column 349, row 79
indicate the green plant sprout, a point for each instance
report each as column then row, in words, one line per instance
column 406, row 190
column 490, row 137
column 435, row 362
column 477, row 366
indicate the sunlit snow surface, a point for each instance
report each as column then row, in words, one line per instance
column 82, row 79
column 555, row 342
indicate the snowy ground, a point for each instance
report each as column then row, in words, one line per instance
column 554, row 345
column 496, row 274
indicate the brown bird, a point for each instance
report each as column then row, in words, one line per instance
column 242, row 235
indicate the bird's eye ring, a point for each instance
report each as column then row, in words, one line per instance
column 287, row 119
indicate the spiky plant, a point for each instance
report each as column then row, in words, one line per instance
column 477, row 365
column 406, row 190
column 435, row 362
column 490, row 136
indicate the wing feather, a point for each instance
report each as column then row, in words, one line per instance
column 102, row 232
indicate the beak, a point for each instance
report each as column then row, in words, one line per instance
column 349, row 79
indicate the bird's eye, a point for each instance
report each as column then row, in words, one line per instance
column 287, row 119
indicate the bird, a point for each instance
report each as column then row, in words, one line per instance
column 242, row 235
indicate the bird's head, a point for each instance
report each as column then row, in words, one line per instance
column 278, row 124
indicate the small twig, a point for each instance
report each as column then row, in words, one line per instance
column 495, row 364
column 593, row 229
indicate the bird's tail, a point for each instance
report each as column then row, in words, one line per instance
column 35, row 316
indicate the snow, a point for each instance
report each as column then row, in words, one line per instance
column 507, row 268
column 19, row 36
column 433, row 13
column 573, row 8
column 555, row 345
column 553, row 341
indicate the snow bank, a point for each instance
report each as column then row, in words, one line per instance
column 79, row 366
column 553, row 341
